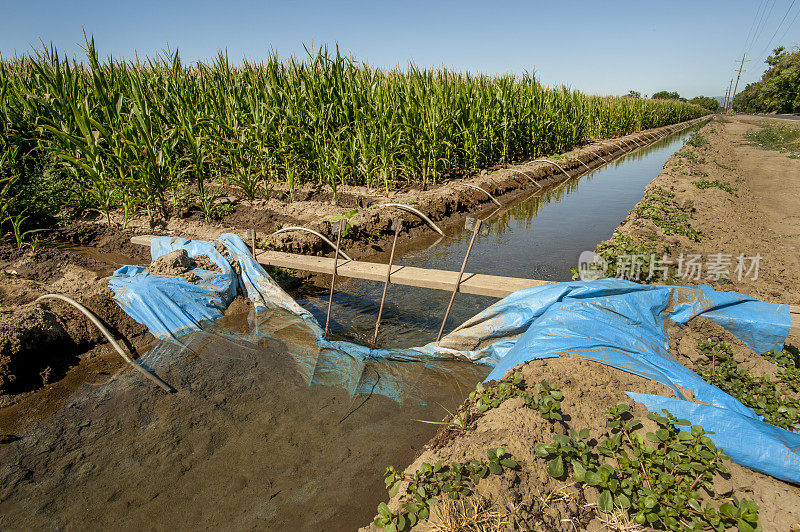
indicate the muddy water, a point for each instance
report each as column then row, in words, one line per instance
column 538, row 238
column 246, row 442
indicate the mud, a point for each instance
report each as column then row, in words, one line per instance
column 530, row 499
column 245, row 443
column 178, row 264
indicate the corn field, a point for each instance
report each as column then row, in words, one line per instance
column 145, row 136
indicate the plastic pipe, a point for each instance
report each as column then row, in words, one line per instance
column 88, row 313
column 409, row 208
column 298, row 228
column 476, row 187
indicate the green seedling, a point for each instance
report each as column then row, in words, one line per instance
column 430, row 483
column 759, row 393
column 542, row 397
column 655, row 477
column 458, row 419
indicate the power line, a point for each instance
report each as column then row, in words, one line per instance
column 761, row 26
column 790, row 25
column 778, row 28
column 752, row 26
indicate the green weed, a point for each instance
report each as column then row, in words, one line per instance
column 776, row 138
column 705, row 183
column 658, row 206
column 431, row 482
column 656, row 477
column 758, row 393
column 697, row 140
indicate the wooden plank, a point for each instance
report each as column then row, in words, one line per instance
column 472, row 283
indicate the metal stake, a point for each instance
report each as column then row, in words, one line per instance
column 475, row 230
column 254, row 242
column 339, row 231
column 398, row 226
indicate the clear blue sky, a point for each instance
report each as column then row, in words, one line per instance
column 595, row 46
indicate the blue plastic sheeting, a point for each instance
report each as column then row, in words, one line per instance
column 615, row 322
column 746, row 439
column 172, row 307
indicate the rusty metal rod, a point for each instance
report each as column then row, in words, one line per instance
column 333, row 277
column 460, row 274
column 397, row 227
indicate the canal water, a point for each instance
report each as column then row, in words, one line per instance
column 537, row 238
column 246, row 442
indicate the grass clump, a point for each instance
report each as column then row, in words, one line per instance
column 658, row 206
column 697, row 140
column 430, row 483
column 758, row 393
column 784, row 139
column 655, row 477
column 705, row 183
column 723, row 166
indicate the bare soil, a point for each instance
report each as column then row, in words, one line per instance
column 530, row 499
column 758, row 218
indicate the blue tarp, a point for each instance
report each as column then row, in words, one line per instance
column 611, row 321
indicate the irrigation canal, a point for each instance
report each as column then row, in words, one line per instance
column 246, row 442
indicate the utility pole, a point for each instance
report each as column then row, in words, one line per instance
column 727, row 95
column 737, row 81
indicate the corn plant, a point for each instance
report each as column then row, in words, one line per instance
column 137, row 134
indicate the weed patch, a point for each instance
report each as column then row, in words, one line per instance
column 705, row 183
column 697, row 140
column 432, row 482
column 658, row 206
column 758, row 393
column 789, row 362
column 688, row 154
column 776, row 138
column 656, row 477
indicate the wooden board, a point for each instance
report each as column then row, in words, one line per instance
column 471, row 283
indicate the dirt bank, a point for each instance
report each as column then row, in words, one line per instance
column 747, row 209
column 529, row 498
column 40, row 342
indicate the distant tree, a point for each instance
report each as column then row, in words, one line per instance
column 709, row 103
column 778, row 91
column 666, row 95
column 634, row 94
